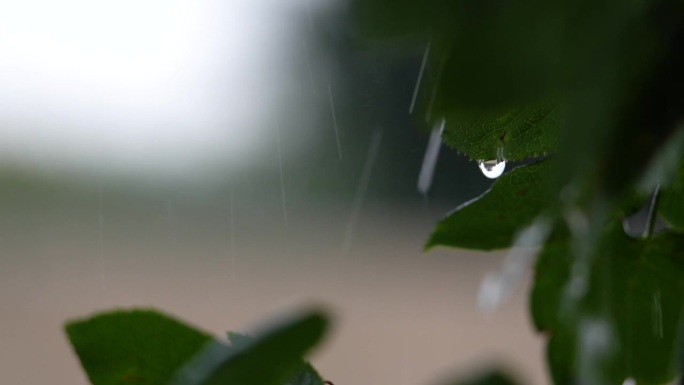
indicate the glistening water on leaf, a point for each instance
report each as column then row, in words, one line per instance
column 492, row 169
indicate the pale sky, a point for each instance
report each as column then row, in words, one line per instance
column 141, row 86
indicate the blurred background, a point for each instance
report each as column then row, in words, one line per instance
column 225, row 161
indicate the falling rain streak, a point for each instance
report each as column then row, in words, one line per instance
column 171, row 222
column 282, row 177
column 231, row 235
column 307, row 58
column 371, row 157
column 334, row 118
column 427, row 169
column 100, row 227
column 201, row 366
column 499, row 286
column 595, row 343
column 420, row 77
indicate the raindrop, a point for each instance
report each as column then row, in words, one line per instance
column 232, row 235
column 596, row 344
column 420, row 76
column 492, row 169
column 100, row 227
column 499, row 286
column 282, row 178
column 334, row 118
column 200, row 367
column 427, row 170
column 371, row 157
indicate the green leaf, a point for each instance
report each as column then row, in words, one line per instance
column 635, row 291
column 136, row 347
column 239, row 340
column 147, row 347
column 671, row 206
column 275, row 357
column 493, row 377
column 306, row 375
column 522, row 133
column 492, row 220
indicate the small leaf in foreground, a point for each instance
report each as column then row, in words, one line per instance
column 306, row 375
column 275, row 357
column 136, row 347
column 494, row 377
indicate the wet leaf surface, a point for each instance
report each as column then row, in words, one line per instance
column 634, row 305
column 492, row 220
column 671, row 206
column 522, row 133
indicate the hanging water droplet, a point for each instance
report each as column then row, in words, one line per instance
column 492, row 169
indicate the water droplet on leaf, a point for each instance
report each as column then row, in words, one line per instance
column 492, row 169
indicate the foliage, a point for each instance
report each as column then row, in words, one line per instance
column 492, row 220
column 148, row 347
column 594, row 92
column 492, row 377
column 590, row 95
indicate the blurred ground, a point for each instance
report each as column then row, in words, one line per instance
column 403, row 316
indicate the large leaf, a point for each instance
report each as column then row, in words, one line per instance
column 147, row 347
column 522, row 133
column 630, row 322
column 275, row 357
column 671, row 206
column 136, row 347
column 305, row 375
column 492, row 220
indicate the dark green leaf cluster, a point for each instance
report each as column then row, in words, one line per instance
column 591, row 96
